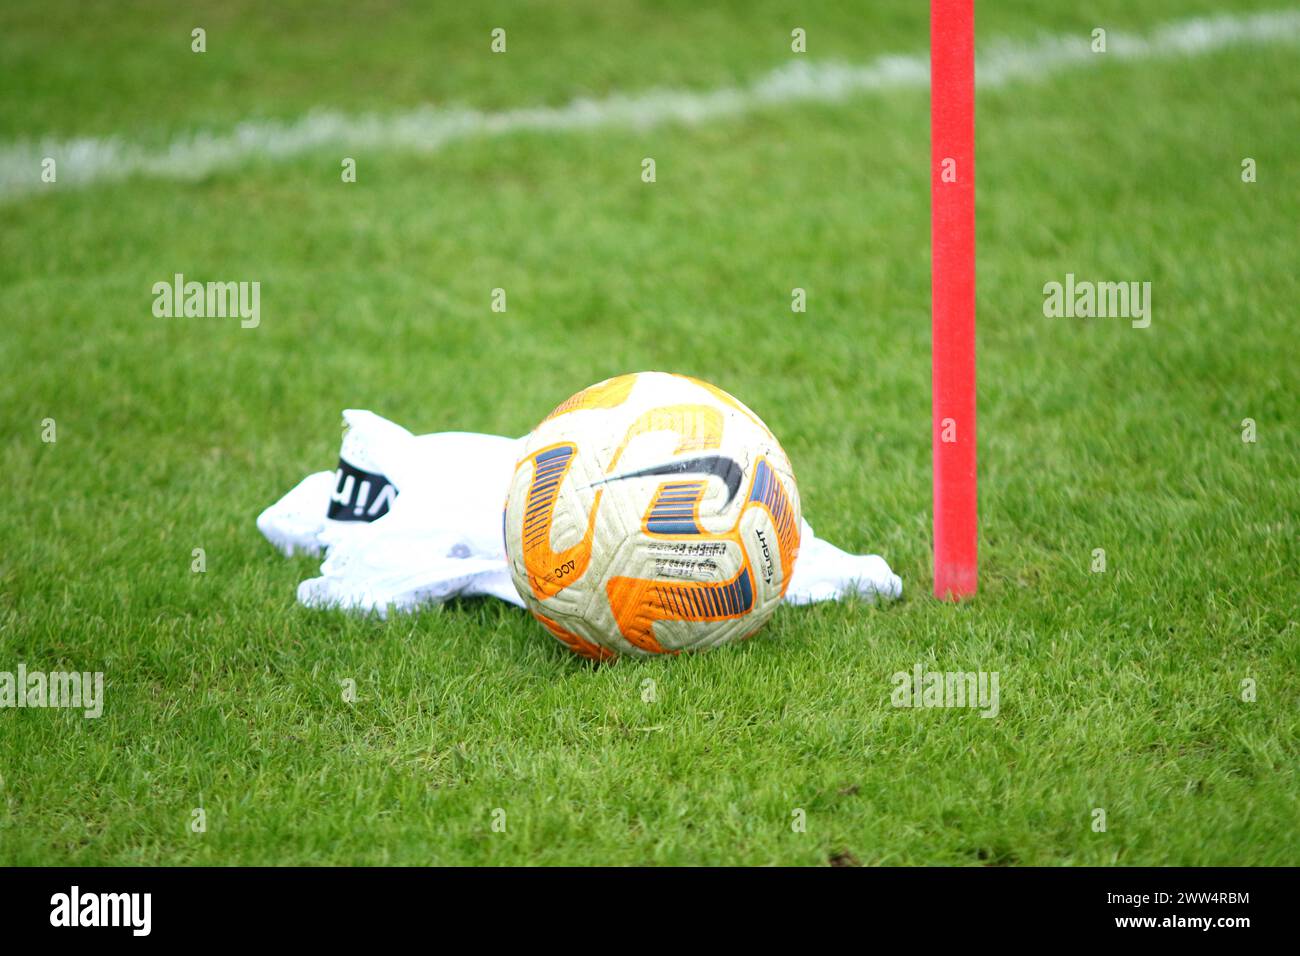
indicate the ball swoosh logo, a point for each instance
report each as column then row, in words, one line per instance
column 719, row 466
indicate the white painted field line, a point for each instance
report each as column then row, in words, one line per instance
column 425, row 129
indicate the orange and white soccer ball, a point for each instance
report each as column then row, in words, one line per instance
column 650, row 514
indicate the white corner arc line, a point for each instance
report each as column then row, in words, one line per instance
column 84, row 161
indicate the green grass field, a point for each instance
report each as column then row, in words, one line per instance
column 1120, row 690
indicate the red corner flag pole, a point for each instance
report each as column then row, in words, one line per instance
column 952, row 286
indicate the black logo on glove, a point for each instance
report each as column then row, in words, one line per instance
column 359, row 495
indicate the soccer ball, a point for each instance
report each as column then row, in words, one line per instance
column 651, row 514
